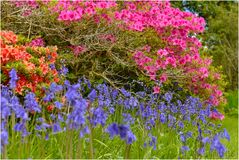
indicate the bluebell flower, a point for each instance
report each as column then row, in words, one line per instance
column 38, row 128
column 107, row 102
column 6, row 92
column 4, row 137
column 5, row 109
column 19, row 127
column 180, row 124
column 44, row 126
column 111, row 110
column 56, row 127
column 58, row 104
column 206, row 140
column 168, row 97
column 55, row 87
column 172, row 120
column 130, row 138
column 225, row 134
column 114, row 94
column 48, row 97
column 184, row 148
column 92, row 96
column 153, row 141
column 128, row 118
column 162, row 107
column 60, row 118
column 72, row 93
column 123, row 130
column 84, row 131
column 173, row 108
column 141, row 94
column 189, row 134
column 31, row 103
column 52, row 66
column 47, row 137
column 201, row 151
column 13, row 78
column 113, row 130
column 78, row 118
column 99, row 117
column 162, row 117
column 182, row 137
column 218, row 146
column 63, row 71
column 125, row 93
column 133, row 102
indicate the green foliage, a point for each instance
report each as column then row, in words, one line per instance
column 232, row 102
column 59, row 145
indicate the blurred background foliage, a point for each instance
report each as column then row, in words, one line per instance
column 221, row 34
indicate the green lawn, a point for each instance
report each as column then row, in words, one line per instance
column 231, row 124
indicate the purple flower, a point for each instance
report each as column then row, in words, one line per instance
column 162, row 117
column 49, row 96
column 225, row 134
column 31, row 103
column 123, row 130
column 205, row 140
column 84, row 131
column 5, row 109
column 153, row 141
column 201, row 151
column 4, row 137
column 56, row 127
column 72, row 93
column 128, row 118
column 133, row 102
column 58, row 104
column 52, row 66
column 60, row 117
column 114, row 93
column 63, row 71
column 218, row 146
column 182, row 137
column 184, row 148
column 113, row 130
column 180, row 124
column 168, row 97
column 92, row 96
column 13, row 78
column 130, row 138
column 125, row 93
column 99, row 117
column 55, row 88
column 189, row 134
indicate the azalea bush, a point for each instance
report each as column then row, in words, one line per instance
column 33, row 64
column 151, row 41
column 88, row 113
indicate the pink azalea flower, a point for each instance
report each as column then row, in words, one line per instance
column 156, row 89
column 216, row 115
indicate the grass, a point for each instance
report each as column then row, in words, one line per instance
column 67, row 144
column 168, row 146
column 231, row 124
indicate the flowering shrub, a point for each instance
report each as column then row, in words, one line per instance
column 84, row 107
column 160, row 39
column 32, row 64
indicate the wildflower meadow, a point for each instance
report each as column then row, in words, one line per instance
column 117, row 80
